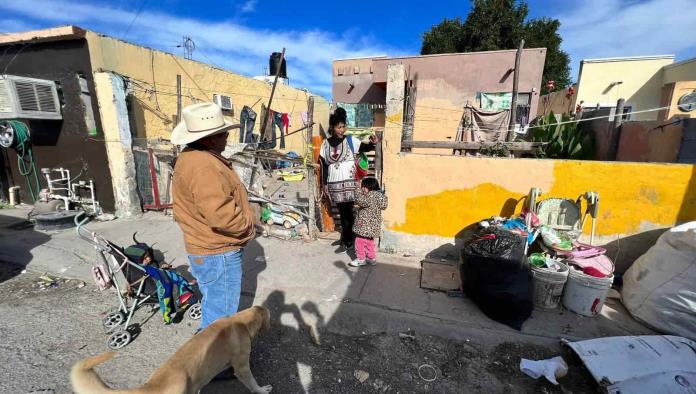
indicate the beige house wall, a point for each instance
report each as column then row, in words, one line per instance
column 154, row 73
column 682, row 71
column 640, row 83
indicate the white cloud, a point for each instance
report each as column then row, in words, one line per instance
column 228, row 44
column 249, row 6
column 617, row 28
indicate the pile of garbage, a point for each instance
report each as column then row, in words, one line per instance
column 513, row 265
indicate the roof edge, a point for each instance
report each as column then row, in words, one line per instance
column 58, row 33
column 438, row 54
column 627, row 58
column 681, row 63
column 361, row 58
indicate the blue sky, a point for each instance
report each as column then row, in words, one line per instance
column 240, row 34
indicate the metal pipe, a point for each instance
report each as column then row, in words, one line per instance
column 14, row 195
column 49, row 182
column 94, row 199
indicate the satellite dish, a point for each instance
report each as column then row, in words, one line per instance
column 687, row 102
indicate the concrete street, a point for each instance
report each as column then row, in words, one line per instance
column 359, row 314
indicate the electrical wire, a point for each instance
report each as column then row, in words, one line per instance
column 4, row 71
column 238, row 93
column 137, row 14
column 188, row 75
column 557, row 123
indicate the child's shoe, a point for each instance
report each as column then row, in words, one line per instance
column 357, row 263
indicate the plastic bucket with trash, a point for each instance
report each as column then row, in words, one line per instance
column 585, row 294
column 549, row 276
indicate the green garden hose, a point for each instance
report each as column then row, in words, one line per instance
column 25, row 157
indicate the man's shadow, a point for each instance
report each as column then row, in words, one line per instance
column 273, row 360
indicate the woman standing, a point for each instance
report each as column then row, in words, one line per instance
column 337, row 158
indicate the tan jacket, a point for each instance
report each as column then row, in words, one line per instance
column 210, row 204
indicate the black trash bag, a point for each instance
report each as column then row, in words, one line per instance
column 497, row 243
column 495, row 275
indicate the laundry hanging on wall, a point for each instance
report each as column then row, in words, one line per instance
column 247, row 119
column 495, row 101
column 269, row 136
column 483, row 126
column 358, row 115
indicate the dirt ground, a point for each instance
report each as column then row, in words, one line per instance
column 44, row 331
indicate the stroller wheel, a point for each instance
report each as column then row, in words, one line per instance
column 113, row 320
column 194, row 312
column 119, row 340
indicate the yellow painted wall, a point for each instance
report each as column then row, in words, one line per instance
column 155, row 112
column 682, row 71
column 442, row 195
column 641, row 87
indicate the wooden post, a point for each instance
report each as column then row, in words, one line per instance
column 393, row 128
column 616, row 130
column 311, row 184
column 178, row 98
column 515, row 84
column 378, row 156
column 264, row 121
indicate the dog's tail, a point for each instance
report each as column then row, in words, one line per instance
column 85, row 380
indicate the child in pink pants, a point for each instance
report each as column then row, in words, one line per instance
column 368, row 222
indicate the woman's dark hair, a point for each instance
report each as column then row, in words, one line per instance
column 339, row 116
column 371, row 184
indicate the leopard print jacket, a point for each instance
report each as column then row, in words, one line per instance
column 368, row 222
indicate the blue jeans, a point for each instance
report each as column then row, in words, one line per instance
column 247, row 118
column 219, row 277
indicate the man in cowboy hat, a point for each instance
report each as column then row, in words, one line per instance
column 212, row 209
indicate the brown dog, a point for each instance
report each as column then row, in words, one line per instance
column 225, row 343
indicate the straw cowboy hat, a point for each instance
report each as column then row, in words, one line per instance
column 199, row 121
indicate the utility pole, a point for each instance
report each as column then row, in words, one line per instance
column 513, row 104
column 616, row 130
column 178, row 98
column 311, row 180
column 264, row 121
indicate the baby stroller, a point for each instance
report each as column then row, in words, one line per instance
column 141, row 288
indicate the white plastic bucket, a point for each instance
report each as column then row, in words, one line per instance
column 548, row 286
column 585, row 294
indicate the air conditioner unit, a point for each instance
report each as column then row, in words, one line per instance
column 28, row 98
column 224, row 102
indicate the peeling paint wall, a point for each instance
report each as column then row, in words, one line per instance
column 632, row 195
column 114, row 120
column 153, row 114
